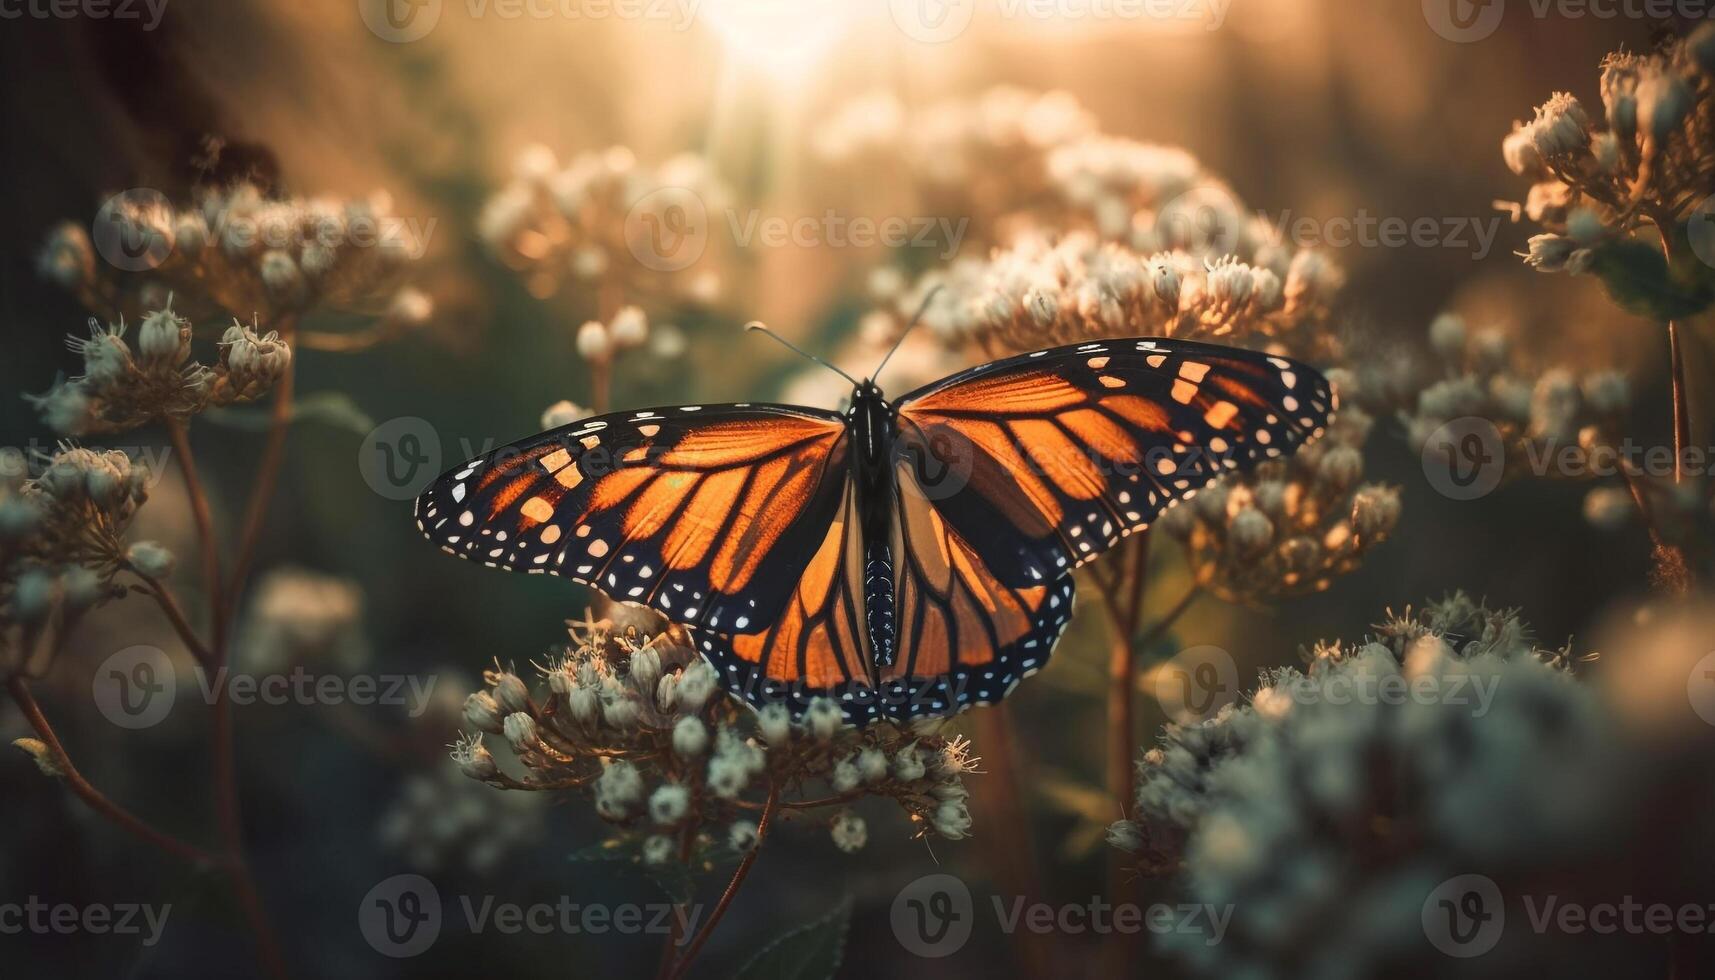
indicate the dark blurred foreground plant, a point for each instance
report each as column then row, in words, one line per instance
column 235, row 251
column 1328, row 810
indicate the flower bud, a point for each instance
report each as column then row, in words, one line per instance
column 645, row 670
column 629, row 328
column 1447, row 336
column 474, row 759
column 849, row 832
column 742, row 835
column 282, row 278
column 150, row 558
column 483, row 713
column 1664, row 100
column 562, row 413
column 594, row 345
column 775, row 723
column 520, row 729
column 690, row 737
column 667, row 805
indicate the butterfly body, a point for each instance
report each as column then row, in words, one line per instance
column 874, row 434
column 906, row 557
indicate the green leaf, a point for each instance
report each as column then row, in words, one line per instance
column 810, row 952
column 1640, row 281
column 331, row 408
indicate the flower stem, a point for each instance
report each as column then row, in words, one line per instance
column 1009, row 848
column 262, row 491
column 203, row 515
column 1123, row 605
column 1681, row 412
column 217, row 656
column 163, row 597
column 738, row 876
column 87, row 792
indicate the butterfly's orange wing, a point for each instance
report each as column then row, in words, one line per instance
column 965, row 637
column 1044, row 461
column 705, row 513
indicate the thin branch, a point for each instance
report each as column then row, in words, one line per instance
column 262, row 491
column 202, row 513
column 157, row 590
column 87, row 792
column 1681, row 411
column 738, row 875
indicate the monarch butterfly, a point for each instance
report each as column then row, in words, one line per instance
column 906, row 557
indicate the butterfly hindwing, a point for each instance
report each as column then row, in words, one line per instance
column 1046, row 460
column 706, row 513
column 964, row 636
column 817, row 646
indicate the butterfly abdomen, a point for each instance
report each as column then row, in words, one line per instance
column 878, row 602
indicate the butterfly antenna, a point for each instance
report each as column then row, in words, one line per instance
column 916, row 318
column 759, row 326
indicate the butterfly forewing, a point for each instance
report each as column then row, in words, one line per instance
column 1044, row 461
column 695, row 511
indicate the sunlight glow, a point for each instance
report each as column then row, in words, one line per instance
column 782, row 37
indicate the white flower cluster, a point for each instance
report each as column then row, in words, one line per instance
column 442, row 822
column 238, row 250
column 1651, row 163
column 1042, row 292
column 298, row 616
column 1537, row 412
column 952, row 142
column 128, row 384
column 599, row 219
column 61, row 543
column 1445, row 743
column 642, row 725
